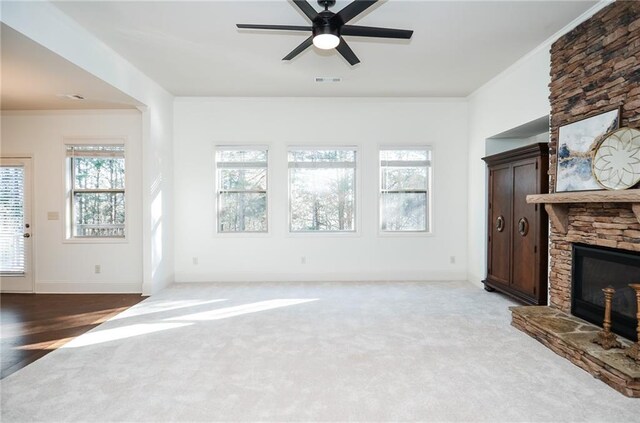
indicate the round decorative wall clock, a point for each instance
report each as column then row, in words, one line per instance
column 616, row 162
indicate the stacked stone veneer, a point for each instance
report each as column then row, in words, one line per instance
column 594, row 68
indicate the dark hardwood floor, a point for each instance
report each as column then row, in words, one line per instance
column 32, row 325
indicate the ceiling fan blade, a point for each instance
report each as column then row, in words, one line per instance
column 354, row 8
column 346, row 52
column 302, row 47
column 370, row 31
column 276, row 27
column 306, row 8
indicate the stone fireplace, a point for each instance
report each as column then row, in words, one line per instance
column 594, row 68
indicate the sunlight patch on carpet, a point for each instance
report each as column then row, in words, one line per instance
column 226, row 312
column 161, row 306
column 101, row 336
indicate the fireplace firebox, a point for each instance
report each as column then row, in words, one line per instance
column 595, row 268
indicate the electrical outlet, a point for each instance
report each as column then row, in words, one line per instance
column 97, row 269
column 195, row 260
column 303, row 260
column 452, row 259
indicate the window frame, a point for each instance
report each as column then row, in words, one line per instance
column 67, row 207
column 356, row 195
column 429, row 232
column 216, row 196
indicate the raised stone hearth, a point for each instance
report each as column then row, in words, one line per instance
column 570, row 337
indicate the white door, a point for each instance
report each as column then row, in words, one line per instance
column 16, row 273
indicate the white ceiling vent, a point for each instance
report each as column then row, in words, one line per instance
column 328, row 79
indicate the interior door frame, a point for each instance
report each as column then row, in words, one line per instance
column 30, row 198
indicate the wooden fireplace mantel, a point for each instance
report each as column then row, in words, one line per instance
column 557, row 204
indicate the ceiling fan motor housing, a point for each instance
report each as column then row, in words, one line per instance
column 326, row 23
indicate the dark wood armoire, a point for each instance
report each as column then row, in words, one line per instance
column 517, row 231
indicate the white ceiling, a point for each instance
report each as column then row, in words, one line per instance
column 194, row 48
column 34, row 78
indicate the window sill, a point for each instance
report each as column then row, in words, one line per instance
column 242, row 234
column 407, row 234
column 95, row 241
column 311, row 234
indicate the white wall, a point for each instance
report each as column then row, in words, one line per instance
column 518, row 96
column 47, row 25
column 61, row 266
column 200, row 124
column 499, row 145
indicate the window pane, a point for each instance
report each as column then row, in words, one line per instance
column 241, row 155
column 243, row 179
column 404, row 178
column 404, row 212
column 404, row 185
column 322, row 156
column 322, row 199
column 243, row 212
column 407, row 155
column 99, row 214
column 244, row 171
column 11, row 219
column 98, row 173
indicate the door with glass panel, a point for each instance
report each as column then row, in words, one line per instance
column 15, row 226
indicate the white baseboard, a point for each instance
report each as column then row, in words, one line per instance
column 320, row 277
column 65, row 287
column 476, row 280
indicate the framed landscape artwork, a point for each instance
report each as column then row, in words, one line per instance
column 576, row 144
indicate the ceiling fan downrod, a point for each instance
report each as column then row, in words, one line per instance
column 326, row 3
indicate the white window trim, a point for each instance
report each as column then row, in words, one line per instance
column 356, row 232
column 243, row 146
column 67, row 237
column 430, row 208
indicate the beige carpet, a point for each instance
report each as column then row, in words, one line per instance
column 311, row 352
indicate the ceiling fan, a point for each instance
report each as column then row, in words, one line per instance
column 327, row 28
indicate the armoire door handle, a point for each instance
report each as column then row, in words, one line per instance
column 500, row 223
column 523, row 226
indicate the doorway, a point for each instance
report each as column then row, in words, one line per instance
column 16, row 241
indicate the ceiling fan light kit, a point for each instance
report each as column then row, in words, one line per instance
column 328, row 28
column 326, row 41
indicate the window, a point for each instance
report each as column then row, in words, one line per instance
column 404, row 189
column 96, row 175
column 242, row 189
column 322, row 190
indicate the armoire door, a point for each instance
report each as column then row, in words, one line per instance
column 500, row 224
column 524, row 228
